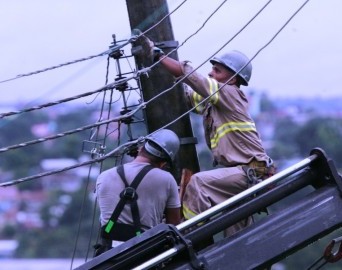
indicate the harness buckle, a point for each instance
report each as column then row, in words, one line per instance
column 129, row 194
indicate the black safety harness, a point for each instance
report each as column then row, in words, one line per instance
column 114, row 230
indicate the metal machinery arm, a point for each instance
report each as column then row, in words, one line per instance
column 267, row 241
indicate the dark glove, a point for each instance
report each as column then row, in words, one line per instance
column 149, row 52
column 99, row 249
column 156, row 54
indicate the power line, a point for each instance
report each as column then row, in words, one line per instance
column 119, row 151
column 142, row 71
column 49, row 104
column 59, row 135
column 110, row 86
column 117, row 59
column 107, row 52
column 144, row 104
column 90, row 168
column 67, row 63
column 104, row 88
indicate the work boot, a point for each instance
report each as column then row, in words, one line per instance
column 148, row 52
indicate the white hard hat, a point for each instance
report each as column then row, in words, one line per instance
column 235, row 61
column 167, row 143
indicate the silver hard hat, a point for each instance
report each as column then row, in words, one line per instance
column 235, row 60
column 167, row 143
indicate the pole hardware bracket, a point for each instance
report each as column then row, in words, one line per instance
column 96, row 149
column 188, row 140
column 169, row 44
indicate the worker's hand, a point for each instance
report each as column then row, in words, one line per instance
column 156, row 54
column 148, row 51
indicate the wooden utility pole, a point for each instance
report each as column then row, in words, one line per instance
column 143, row 15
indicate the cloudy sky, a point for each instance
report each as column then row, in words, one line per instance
column 305, row 59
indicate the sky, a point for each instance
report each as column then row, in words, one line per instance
column 304, row 60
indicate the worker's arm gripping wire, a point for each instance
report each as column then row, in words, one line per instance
column 187, row 75
column 181, row 80
column 257, row 53
column 145, row 71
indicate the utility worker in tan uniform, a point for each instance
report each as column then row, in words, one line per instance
column 230, row 131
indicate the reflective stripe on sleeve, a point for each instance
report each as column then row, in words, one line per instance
column 197, row 99
column 213, row 90
column 231, row 127
column 187, row 213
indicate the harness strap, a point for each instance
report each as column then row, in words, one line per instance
column 128, row 195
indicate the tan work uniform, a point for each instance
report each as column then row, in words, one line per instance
column 233, row 139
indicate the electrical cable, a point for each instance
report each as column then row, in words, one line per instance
column 165, row 17
column 80, row 220
column 89, row 172
column 115, row 119
column 107, row 126
column 144, row 104
column 261, row 49
column 111, row 50
column 117, row 152
column 143, row 71
column 152, row 99
column 49, row 104
column 104, row 144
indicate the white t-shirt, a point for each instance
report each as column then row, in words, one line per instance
column 157, row 191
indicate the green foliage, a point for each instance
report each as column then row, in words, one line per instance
column 17, row 130
column 285, row 134
column 25, row 161
column 325, row 133
column 266, row 105
column 8, row 232
column 60, row 232
column 294, row 140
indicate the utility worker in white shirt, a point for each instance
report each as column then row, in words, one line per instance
column 230, row 131
column 136, row 196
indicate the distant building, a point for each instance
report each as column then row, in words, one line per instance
column 9, row 206
column 21, row 207
column 7, row 249
column 69, row 180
